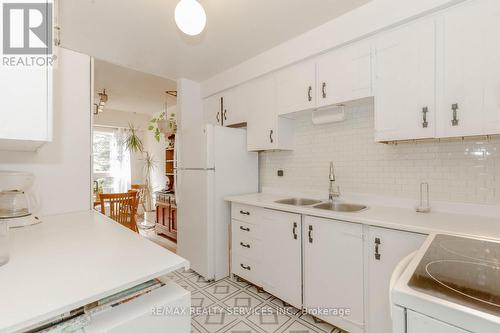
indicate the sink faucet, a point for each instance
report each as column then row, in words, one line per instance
column 334, row 191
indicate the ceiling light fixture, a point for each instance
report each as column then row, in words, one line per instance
column 190, row 17
column 103, row 99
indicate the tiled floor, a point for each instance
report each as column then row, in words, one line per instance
column 235, row 306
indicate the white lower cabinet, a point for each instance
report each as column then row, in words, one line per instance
column 418, row 323
column 338, row 271
column 333, row 272
column 385, row 248
column 282, row 251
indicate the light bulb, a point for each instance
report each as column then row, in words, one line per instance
column 190, row 17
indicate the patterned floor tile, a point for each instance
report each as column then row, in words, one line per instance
column 222, row 289
column 243, row 299
column 287, row 308
column 200, row 300
column 236, row 306
column 298, row 327
column 269, row 319
column 242, row 327
column 324, row 327
column 259, row 292
column 216, row 320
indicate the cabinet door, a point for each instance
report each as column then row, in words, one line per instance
column 262, row 128
column 391, row 246
column 404, row 82
column 333, row 270
column 281, row 256
column 345, row 74
column 212, row 110
column 233, row 111
column 417, row 323
column 25, row 103
column 295, row 88
column 470, row 77
column 492, row 75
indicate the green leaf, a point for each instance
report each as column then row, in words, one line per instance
column 151, row 127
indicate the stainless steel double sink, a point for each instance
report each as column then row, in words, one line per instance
column 331, row 206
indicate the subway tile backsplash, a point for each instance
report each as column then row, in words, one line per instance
column 458, row 171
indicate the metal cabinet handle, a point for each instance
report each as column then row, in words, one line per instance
column 242, row 212
column 244, row 229
column 425, row 123
column 245, row 245
column 377, row 244
column 454, row 108
column 309, row 93
column 294, row 230
column 225, row 114
column 323, row 89
column 271, row 132
column 310, row 234
column 218, row 117
column 245, row 267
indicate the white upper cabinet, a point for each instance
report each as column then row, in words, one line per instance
column 296, row 88
column 469, row 79
column 265, row 129
column 225, row 109
column 212, row 110
column 233, row 111
column 26, row 101
column 345, row 74
column 404, row 82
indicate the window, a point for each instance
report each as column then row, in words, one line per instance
column 111, row 172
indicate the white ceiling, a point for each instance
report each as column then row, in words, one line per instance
column 141, row 34
column 131, row 91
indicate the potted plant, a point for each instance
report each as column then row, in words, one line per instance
column 134, row 144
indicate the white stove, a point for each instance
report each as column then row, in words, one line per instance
column 452, row 285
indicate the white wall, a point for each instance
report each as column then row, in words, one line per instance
column 460, row 172
column 62, row 167
column 373, row 17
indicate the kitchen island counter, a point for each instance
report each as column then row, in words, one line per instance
column 71, row 260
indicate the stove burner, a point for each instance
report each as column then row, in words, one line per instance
column 470, row 279
column 461, row 270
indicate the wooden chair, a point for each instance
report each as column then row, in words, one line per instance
column 122, row 207
column 142, row 194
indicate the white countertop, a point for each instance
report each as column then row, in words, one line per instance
column 389, row 217
column 70, row 260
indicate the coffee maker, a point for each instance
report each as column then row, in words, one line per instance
column 15, row 200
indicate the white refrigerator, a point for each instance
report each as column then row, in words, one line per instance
column 212, row 163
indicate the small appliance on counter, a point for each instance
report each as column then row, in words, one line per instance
column 15, row 200
column 451, row 285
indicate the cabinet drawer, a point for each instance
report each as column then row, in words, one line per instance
column 245, row 213
column 244, row 229
column 245, row 268
column 246, row 246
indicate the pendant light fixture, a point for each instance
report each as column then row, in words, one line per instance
column 190, row 17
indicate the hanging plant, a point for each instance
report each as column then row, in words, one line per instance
column 155, row 125
column 163, row 125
